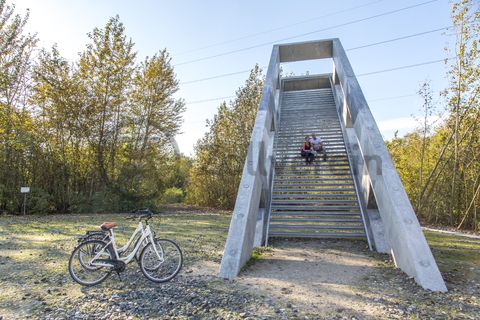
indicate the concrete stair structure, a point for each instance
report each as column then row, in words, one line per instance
column 317, row 200
column 355, row 193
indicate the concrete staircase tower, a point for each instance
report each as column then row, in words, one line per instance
column 355, row 193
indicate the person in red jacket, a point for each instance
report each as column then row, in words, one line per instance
column 307, row 151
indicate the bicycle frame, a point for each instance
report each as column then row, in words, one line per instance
column 147, row 235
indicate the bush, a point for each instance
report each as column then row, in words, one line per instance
column 40, row 201
column 173, row 195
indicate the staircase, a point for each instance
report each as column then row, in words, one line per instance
column 318, row 200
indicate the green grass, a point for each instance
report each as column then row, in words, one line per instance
column 454, row 252
column 34, row 252
column 257, row 255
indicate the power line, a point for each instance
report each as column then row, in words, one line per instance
column 209, row 100
column 280, row 28
column 404, row 67
column 399, row 38
column 217, row 76
column 307, row 33
column 349, row 49
column 360, row 75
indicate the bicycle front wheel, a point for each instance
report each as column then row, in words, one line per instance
column 88, row 264
column 161, row 261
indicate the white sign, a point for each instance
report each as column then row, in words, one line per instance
column 25, row 189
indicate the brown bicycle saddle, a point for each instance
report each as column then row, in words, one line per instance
column 108, row 225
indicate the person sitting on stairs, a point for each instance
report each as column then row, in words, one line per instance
column 307, row 151
column 318, row 146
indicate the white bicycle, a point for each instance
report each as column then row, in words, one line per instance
column 93, row 260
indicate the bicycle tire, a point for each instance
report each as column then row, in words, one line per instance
column 103, row 273
column 176, row 262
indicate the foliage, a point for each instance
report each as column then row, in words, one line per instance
column 444, row 182
column 17, row 139
column 172, row 195
column 95, row 135
column 221, row 153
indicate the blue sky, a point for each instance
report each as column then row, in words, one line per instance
column 184, row 27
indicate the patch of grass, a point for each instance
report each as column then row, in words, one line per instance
column 452, row 252
column 257, row 255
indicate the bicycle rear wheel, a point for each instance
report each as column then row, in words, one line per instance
column 83, row 264
column 161, row 261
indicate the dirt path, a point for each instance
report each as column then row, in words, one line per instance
column 320, row 277
column 313, row 278
column 325, row 279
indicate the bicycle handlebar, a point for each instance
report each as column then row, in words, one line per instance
column 141, row 214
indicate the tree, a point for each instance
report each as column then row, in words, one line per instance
column 450, row 193
column 154, row 117
column 92, row 135
column 16, row 137
column 58, row 97
column 106, row 69
column 221, row 153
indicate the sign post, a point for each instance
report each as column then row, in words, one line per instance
column 25, row 190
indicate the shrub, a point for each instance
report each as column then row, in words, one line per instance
column 172, row 195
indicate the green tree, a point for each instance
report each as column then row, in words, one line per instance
column 16, row 129
column 153, row 119
column 106, row 69
column 58, row 96
column 221, row 153
column 450, row 188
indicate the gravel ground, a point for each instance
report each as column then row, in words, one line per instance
column 290, row 280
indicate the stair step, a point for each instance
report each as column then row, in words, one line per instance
column 302, row 177
column 314, row 208
column 302, row 202
column 284, row 176
column 313, row 182
column 340, row 143
column 310, row 167
column 315, row 220
column 277, row 190
column 314, row 166
column 320, row 235
column 303, row 169
column 315, row 214
column 313, row 196
column 275, row 226
column 301, row 134
column 306, row 130
column 321, row 164
column 291, row 156
column 295, row 155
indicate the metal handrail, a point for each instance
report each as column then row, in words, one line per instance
column 272, row 174
column 357, row 189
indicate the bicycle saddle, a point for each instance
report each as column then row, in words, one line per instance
column 108, row 225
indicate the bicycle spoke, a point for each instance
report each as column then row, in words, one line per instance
column 84, row 264
column 161, row 261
